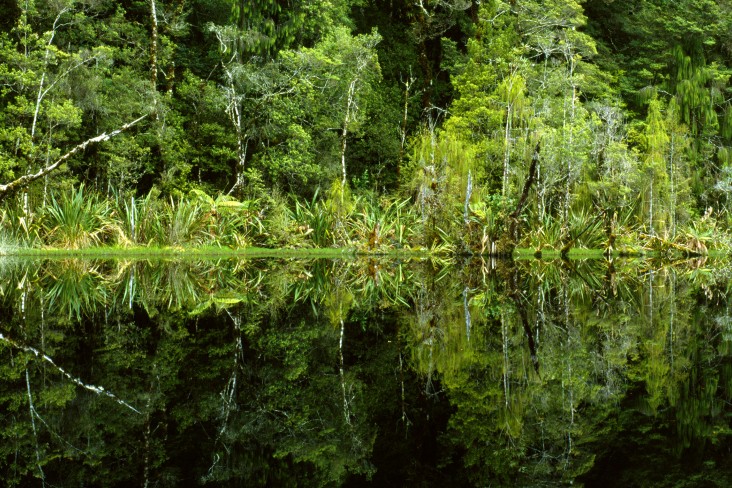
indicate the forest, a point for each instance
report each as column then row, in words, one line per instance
column 447, row 126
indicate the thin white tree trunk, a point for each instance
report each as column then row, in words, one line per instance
column 154, row 45
column 650, row 214
column 41, row 92
column 403, row 132
column 673, row 187
column 350, row 111
column 506, row 151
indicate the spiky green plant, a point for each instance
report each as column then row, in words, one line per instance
column 137, row 220
column 77, row 219
column 381, row 223
column 280, row 228
column 77, row 288
column 230, row 222
column 486, row 223
column 701, row 234
column 547, row 235
column 339, row 204
column 185, row 222
column 314, row 221
column 587, row 229
column 18, row 228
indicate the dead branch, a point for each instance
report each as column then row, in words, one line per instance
column 99, row 390
column 25, row 180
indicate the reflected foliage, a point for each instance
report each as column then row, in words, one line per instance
column 324, row 372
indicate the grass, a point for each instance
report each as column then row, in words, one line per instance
column 177, row 251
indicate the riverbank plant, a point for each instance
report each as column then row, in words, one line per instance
column 19, row 227
column 369, row 223
column 76, row 219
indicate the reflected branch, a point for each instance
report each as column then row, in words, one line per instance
column 99, row 390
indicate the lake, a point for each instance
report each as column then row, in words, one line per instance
column 365, row 372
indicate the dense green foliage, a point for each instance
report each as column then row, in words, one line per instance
column 336, row 372
column 623, row 106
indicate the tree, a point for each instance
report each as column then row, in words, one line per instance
column 42, row 115
column 523, row 80
column 654, row 169
column 353, row 71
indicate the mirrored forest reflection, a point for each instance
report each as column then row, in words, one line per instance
column 311, row 372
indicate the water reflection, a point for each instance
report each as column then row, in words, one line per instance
column 355, row 372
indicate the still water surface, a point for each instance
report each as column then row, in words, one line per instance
column 365, row 373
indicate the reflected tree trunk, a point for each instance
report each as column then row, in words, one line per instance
column 568, row 384
column 466, row 310
column 32, row 412
column 506, row 361
column 346, row 402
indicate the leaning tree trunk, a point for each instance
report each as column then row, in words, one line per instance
column 513, row 229
column 27, row 179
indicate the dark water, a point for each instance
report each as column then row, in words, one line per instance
column 365, row 373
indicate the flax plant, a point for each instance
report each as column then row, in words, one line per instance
column 75, row 288
column 281, row 228
column 18, row 228
column 77, row 219
column 137, row 219
column 383, row 224
column 315, row 221
column 547, row 235
column 183, row 222
column 587, row 228
column 229, row 222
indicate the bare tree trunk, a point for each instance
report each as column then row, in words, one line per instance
column 513, row 226
column 572, row 116
column 154, row 45
column 468, row 195
column 170, row 71
column 351, row 109
column 41, row 92
column 650, row 213
column 506, row 150
column 673, row 187
column 403, row 132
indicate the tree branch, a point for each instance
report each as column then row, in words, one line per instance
column 30, row 178
column 96, row 389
